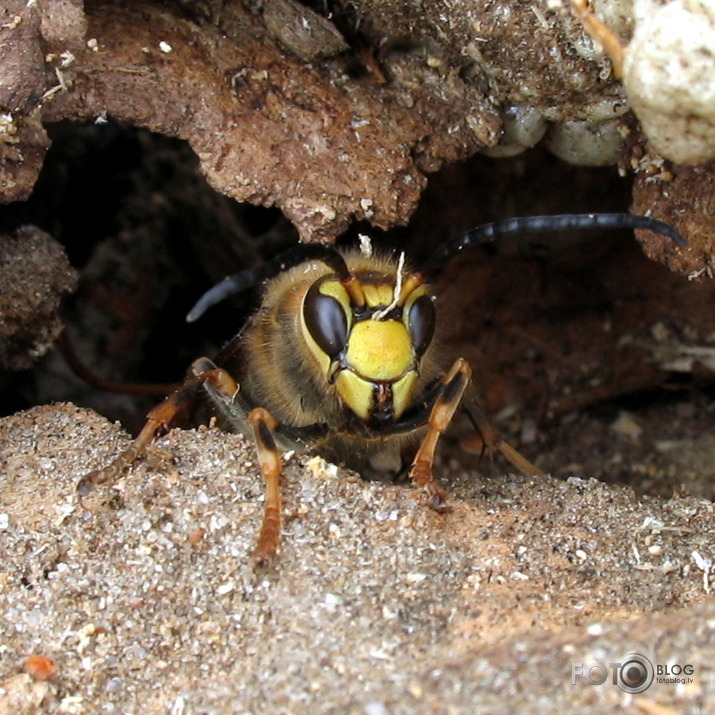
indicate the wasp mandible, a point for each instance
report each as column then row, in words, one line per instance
column 340, row 357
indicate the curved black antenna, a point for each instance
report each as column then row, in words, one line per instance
column 545, row 224
column 288, row 259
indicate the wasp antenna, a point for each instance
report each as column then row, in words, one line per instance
column 545, row 224
column 251, row 276
column 228, row 286
column 414, row 281
column 354, row 290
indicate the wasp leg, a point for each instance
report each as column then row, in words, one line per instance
column 269, row 458
column 203, row 372
column 492, row 440
column 454, row 384
column 208, row 374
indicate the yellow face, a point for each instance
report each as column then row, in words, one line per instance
column 371, row 354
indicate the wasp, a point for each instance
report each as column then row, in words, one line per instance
column 340, row 357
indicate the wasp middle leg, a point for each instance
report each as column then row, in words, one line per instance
column 203, row 373
column 492, row 440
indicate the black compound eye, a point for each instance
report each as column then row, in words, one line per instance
column 421, row 322
column 326, row 321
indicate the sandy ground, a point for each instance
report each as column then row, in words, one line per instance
column 146, row 601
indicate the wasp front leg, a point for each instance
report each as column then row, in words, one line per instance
column 203, row 374
column 269, row 459
column 448, row 399
column 455, row 383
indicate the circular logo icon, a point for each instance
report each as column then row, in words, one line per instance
column 635, row 674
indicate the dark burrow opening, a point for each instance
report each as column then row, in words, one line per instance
column 578, row 342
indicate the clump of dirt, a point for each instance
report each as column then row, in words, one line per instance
column 685, row 201
column 34, row 274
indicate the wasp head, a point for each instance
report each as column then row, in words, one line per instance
column 369, row 337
